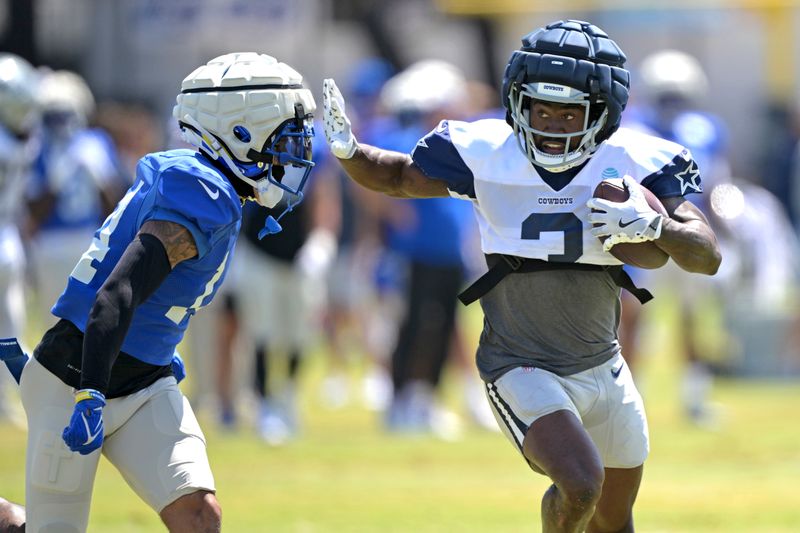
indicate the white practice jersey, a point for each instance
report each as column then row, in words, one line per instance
column 562, row 320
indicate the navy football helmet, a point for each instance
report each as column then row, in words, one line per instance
column 566, row 62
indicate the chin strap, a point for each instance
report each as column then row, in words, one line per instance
column 271, row 225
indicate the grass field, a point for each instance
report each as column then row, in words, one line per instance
column 344, row 474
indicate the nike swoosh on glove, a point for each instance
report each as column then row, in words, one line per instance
column 338, row 131
column 84, row 434
column 630, row 221
column 178, row 368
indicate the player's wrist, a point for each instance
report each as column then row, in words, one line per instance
column 344, row 149
column 90, row 394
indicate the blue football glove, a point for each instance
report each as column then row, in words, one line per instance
column 178, row 368
column 84, row 434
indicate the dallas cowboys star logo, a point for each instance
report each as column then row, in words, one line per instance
column 689, row 178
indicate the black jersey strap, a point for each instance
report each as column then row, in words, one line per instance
column 501, row 265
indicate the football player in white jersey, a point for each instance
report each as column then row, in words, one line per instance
column 549, row 352
column 18, row 118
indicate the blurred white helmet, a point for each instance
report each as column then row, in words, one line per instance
column 671, row 73
column 66, row 95
column 424, row 87
column 251, row 113
column 18, row 89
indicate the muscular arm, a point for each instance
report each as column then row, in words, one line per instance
column 688, row 239
column 391, row 173
column 146, row 262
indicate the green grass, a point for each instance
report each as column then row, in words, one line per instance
column 345, row 475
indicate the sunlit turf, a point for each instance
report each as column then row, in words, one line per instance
column 345, row 474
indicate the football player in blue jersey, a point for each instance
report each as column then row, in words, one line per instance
column 549, row 352
column 101, row 379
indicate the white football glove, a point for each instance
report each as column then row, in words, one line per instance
column 338, row 130
column 630, row 221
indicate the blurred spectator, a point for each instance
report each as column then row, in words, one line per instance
column 672, row 88
column 76, row 182
column 18, row 118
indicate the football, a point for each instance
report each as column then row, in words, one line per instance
column 640, row 254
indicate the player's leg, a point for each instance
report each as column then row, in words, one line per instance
column 614, row 511
column 620, row 433
column 58, row 482
column 538, row 415
column 228, row 328
column 198, row 512
column 157, row 445
column 559, row 445
column 12, row 517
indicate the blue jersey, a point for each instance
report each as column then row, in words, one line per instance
column 179, row 186
column 74, row 172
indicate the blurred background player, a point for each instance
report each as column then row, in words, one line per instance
column 361, row 308
column 281, row 315
column 430, row 236
column 18, row 119
column 670, row 93
column 77, row 180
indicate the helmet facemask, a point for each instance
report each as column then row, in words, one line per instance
column 285, row 160
column 520, row 99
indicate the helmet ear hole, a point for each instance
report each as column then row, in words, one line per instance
column 241, row 133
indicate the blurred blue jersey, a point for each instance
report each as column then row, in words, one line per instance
column 180, row 186
column 436, row 234
column 74, row 171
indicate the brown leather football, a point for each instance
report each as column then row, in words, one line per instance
column 640, row 254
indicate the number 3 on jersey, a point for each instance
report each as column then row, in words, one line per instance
column 567, row 223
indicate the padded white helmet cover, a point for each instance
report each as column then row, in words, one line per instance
column 248, row 89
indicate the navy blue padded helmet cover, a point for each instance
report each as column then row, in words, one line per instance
column 577, row 54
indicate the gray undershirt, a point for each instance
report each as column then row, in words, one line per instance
column 564, row 321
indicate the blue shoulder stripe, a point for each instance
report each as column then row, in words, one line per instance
column 438, row 158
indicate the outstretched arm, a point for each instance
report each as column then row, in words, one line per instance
column 384, row 171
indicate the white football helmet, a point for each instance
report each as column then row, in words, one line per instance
column 18, row 88
column 251, row 113
column 66, row 101
column 671, row 73
column 424, row 87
